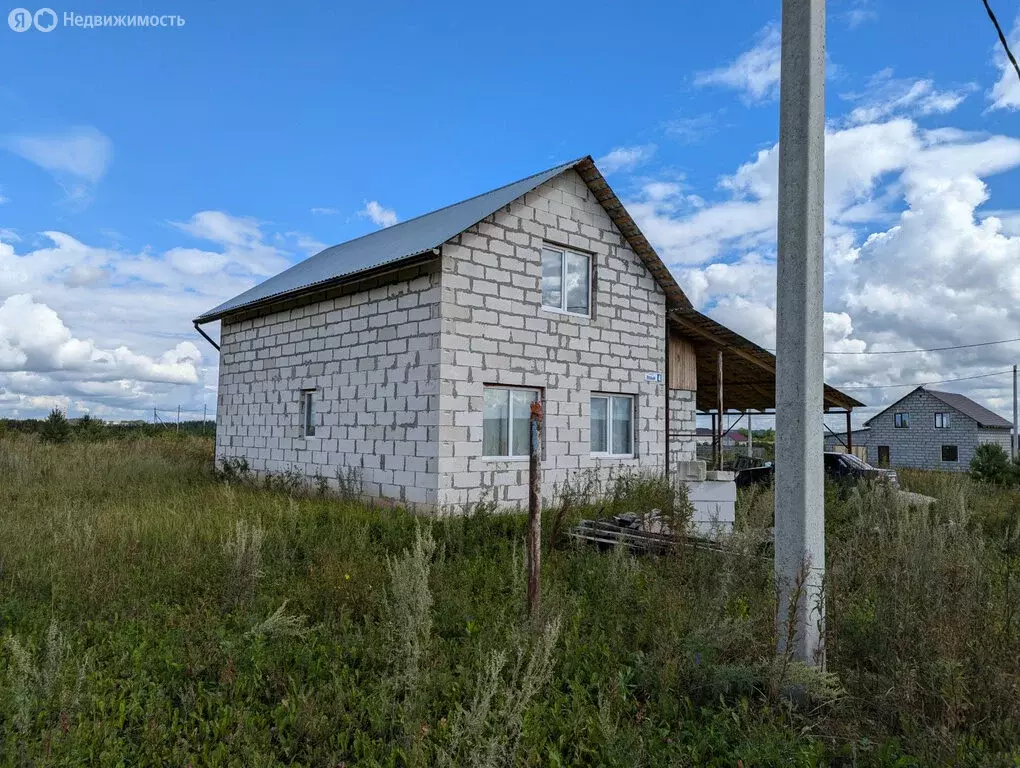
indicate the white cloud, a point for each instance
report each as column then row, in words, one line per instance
column 625, row 158
column 755, row 72
column 77, row 158
column 325, row 211
column 886, row 96
column 220, row 227
column 1005, row 94
column 378, row 215
column 912, row 258
column 860, row 13
column 33, row 338
column 109, row 331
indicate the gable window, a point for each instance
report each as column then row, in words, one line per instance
column 612, row 425
column 942, row 422
column 901, row 420
column 566, row 281
column 506, row 422
column 949, row 453
column 308, row 413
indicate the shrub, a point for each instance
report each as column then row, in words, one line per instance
column 55, row 429
column 991, row 464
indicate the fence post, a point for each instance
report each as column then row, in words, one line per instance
column 534, row 541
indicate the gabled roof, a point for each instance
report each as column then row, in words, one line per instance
column 966, row 406
column 424, row 234
column 960, row 403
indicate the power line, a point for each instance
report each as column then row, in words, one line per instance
column 927, row 383
column 1002, row 38
column 928, row 349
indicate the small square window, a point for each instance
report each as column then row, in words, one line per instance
column 942, row 421
column 949, row 453
column 566, row 281
column 506, row 422
column 612, row 425
column 308, row 412
column 901, row 420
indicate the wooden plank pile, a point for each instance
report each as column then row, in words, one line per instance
column 644, row 535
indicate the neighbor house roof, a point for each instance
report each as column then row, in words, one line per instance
column 425, row 234
column 961, row 403
column 966, row 406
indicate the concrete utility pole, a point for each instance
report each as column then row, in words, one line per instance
column 800, row 510
column 1016, row 436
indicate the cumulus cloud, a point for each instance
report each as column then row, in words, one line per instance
column 625, row 158
column 755, row 72
column 912, row 259
column 109, row 331
column 34, row 338
column 378, row 215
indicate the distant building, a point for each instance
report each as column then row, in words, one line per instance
column 731, row 439
column 927, row 430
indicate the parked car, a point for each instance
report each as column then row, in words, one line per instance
column 839, row 467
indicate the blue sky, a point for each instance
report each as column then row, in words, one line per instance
column 173, row 167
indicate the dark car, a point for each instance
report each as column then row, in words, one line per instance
column 839, row 467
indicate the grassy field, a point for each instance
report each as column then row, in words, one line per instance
column 154, row 614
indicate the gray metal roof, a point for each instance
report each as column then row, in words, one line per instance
column 392, row 244
column 966, row 406
column 961, row 403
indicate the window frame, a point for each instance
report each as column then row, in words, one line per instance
column 946, row 422
column 610, row 397
column 589, row 282
column 307, row 416
column 509, row 389
column 905, row 419
column 956, row 454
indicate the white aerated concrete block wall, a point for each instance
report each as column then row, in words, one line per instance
column 372, row 357
column 495, row 331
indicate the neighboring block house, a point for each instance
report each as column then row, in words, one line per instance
column 411, row 355
column 930, row 430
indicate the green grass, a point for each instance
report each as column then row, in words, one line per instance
column 153, row 614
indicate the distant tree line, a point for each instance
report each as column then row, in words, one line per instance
column 57, row 428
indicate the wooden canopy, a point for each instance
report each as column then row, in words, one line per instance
column 749, row 371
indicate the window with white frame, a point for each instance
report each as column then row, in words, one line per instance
column 612, row 425
column 506, row 422
column 566, row 281
column 941, row 421
column 308, row 413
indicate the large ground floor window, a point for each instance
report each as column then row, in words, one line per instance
column 506, row 422
column 612, row 425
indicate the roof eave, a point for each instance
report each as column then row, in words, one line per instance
column 323, row 285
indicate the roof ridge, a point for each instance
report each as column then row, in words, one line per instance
column 564, row 166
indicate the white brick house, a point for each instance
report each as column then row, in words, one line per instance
column 411, row 355
column 928, row 429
